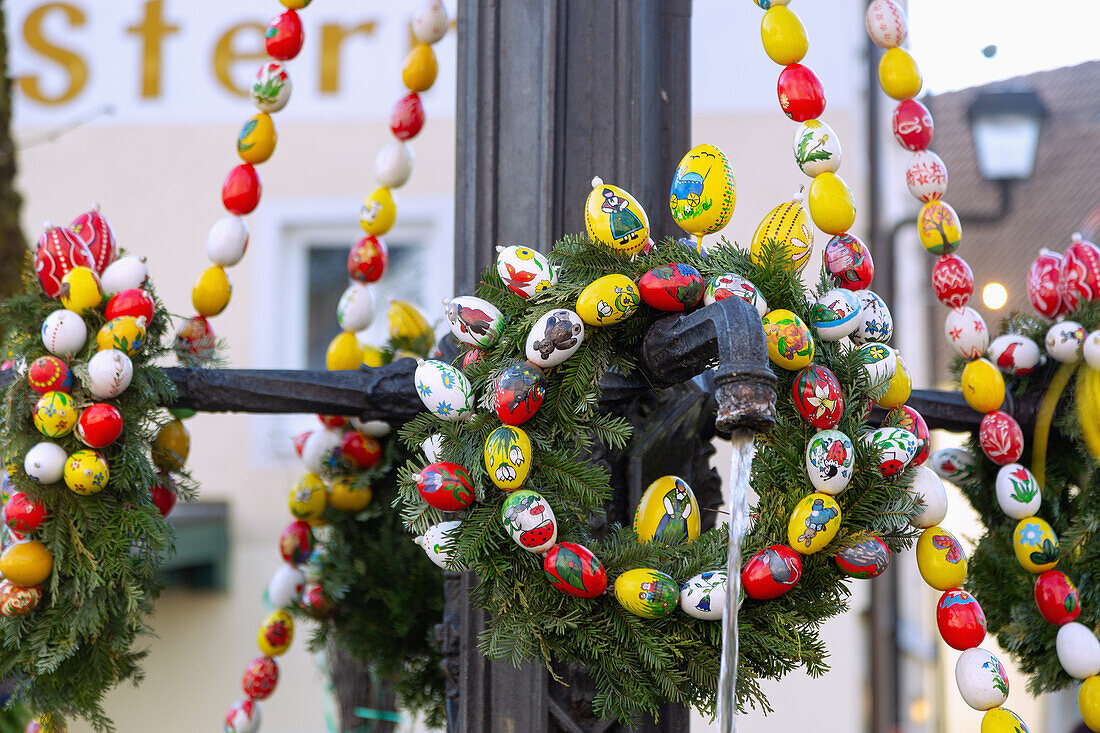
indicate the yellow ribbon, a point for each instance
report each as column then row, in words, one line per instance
column 1045, row 418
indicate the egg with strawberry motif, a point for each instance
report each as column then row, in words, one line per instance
column 817, row 397
column 524, row 271
column 966, row 332
column 1043, row 284
column 1014, row 354
column 672, row 287
column 836, row 314
column 530, row 521
column 729, row 285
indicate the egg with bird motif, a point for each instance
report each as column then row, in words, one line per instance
column 524, row 271
column 866, row 559
column 647, row 593
column 830, row 461
column 530, row 521
column 507, row 457
column 790, row 344
column 771, row 572
column 445, row 486
column 703, row 191
column 555, row 337
column 1065, row 341
column 518, row 393
column 704, row 595
column 437, row 541
column 608, row 300
column 813, row 523
column 729, row 285
column 615, row 219
column 941, row 560
column 574, row 570
column 667, row 513
column 473, row 320
column 444, row 390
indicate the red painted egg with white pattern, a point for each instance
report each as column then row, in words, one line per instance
column 1080, row 276
column 913, row 128
column 58, row 252
column 407, row 118
column 260, row 678
column 1043, row 284
column 1001, row 438
column 92, row 229
column 817, row 397
column 926, row 176
column 952, row 281
column 966, row 332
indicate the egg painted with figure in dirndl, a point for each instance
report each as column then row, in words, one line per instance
column 473, row 321
column 444, row 390
column 704, row 595
column 524, row 271
column 647, row 593
column 830, row 461
column 836, row 314
column 615, row 219
column 817, row 397
column 555, row 337
column 574, row 570
column 530, row 521
column 667, row 512
column 730, row 285
column 866, row 559
column 519, row 392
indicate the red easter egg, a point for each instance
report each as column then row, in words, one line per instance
column 800, row 93
column 817, row 397
column 296, row 543
column 23, row 514
column 195, row 342
column 92, row 229
column 57, row 253
column 913, row 127
column 574, row 570
column 472, row 356
column 317, row 604
column 164, row 495
column 906, row 418
column 367, row 259
column 50, row 374
column 519, row 393
column 1080, row 276
column 333, row 421
column 241, row 190
column 99, row 425
column 300, row 441
column 360, row 450
column 407, row 118
column 849, row 262
column 445, row 486
column 260, row 678
column 672, row 287
column 952, row 281
column 1001, row 438
column 1043, row 284
column 133, row 302
column 283, row 38
column 1057, row 599
column 866, row 559
column 961, row 620
column 771, row 572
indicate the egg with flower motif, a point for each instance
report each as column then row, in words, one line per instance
column 92, row 229
column 836, row 314
column 518, row 393
column 771, row 572
column 86, row 472
column 830, row 461
column 953, row 464
column 55, row 414
column 284, row 590
column 1056, row 598
column 817, row 397
column 1065, row 340
column 574, row 570
column 1079, row 279
column 271, row 87
column 49, row 374
column 952, row 281
column 729, row 285
column 18, row 600
column 260, row 678
column 784, row 235
column 507, row 456
column 1043, row 284
column 887, row 24
column 849, row 262
column 813, row 523
column 530, row 520
column 941, row 560
column 966, row 332
column 926, row 176
column 898, row 389
column 1018, row 491
column 879, row 363
column 64, row 333
column 928, row 487
column 355, row 311
column 109, row 374
column 875, row 323
column 615, row 219
column 907, row 418
column 243, row 717
column 524, row 271
column 473, row 320
column 1035, row 544
column 437, row 541
column 471, row 356
column 671, row 287
column 868, row 558
column 981, row 679
column 445, row 486
column 704, row 595
column 939, row 228
column 124, row 333
column 59, row 251
column 703, row 191
column 816, row 148
column 1001, row 438
column 667, row 512
column 790, row 344
column 608, row 300
column 276, row 633
column 307, row 499
column 960, row 619
column 647, row 593
column 913, row 126
column 1003, row 720
column 430, row 24
column 555, row 337
column 444, row 390
column 896, row 448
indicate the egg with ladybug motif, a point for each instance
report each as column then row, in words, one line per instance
column 59, row 251
column 817, row 397
column 507, row 455
column 907, row 418
column 276, row 633
column 473, row 321
column 941, row 560
column 896, row 448
column 1001, row 438
column 49, row 374
column 615, row 219
column 866, row 559
column 445, row 486
column 704, row 595
column 444, row 390
column 1056, row 598
column 830, row 461
column 1043, row 284
column 952, row 281
column 814, row 523
column 913, row 126
column 647, row 593
column 284, row 36
column 672, row 287
column 730, row 285
column 367, row 259
column 849, row 262
column 518, row 393
column 801, row 94
column 99, row 425
column 960, row 619
column 524, row 271
column 574, row 570
column 92, row 229
column 926, row 176
column 243, row 717
column 296, row 542
column 836, row 314
column 966, row 332
column 530, row 521
column 771, row 572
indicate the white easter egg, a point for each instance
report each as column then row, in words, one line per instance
column 836, row 314
column 444, row 390
column 1017, row 491
column 886, row 23
column 125, row 273
column 953, row 464
column 45, row 462
column 436, row 541
column 830, row 461
column 355, row 311
column 554, row 338
column 373, row 428
column 929, row 487
column 896, row 447
column 524, row 271
column 731, row 284
column 816, row 148
column 1064, row 341
column 431, row 23
column 284, row 590
column 321, row 451
column 704, row 595
column 1091, row 349
column 64, row 333
column 244, row 717
column 875, row 322
column 926, row 176
column 1078, row 650
column 393, row 165
column 473, row 321
column 879, row 364
column 966, row 333
column 227, row 241
column 1015, row 354
column 432, row 445
column 109, row 373
column 981, row 679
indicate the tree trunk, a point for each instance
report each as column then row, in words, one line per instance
column 357, row 688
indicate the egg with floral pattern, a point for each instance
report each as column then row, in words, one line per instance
column 507, row 455
column 574, row 570
column 896, row 448
column 879, row 362
column 953, row 464
column 704, row 595
column 906, row 417
column 817, row 397
column 790, row 344
column 243, row 717
column 125, row 333
column 18, row 600
column 966, row 332
column 1001, row 438
column 437, row 541
column 926, row 176
column 86, row 472
column 271, row 87
column 445, row 486
column 1043, row 284
column 731, row 284
column 260, row 678
column 1035, row 545
column 671, row 287
column 444, row 390
column 55, row 414
column 524, row 271
column 981, row 679
column 1018, row 492
column 875, row 323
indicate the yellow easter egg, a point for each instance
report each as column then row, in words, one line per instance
column 295, row 4
column 667, row 512
column 257, row 138
column 86, row 472
column 125, row 333
column 26, row 563
column 373, row 356
column 307, row 497
column 788, row 226
column 941, row 560
column 615, row 219
column 344, row 352
column 790, row 344
column 939, row 228
column 211, row 292
column 813, row 523
column 783, row 35
column 55, row 414
column 831, row 204
column 276, row 633
column 1003, row 720
column 378, row 212
column 420, row 68
column 647, row 593
column 508, row 457
column 899, row 388
column 1088, row 702
column 703, row 191
column 80, row 290
column 172, row 446
column 345, row 496
column 1035, row 544
column 898, row 74
column 610, row 299
column 405, row 354
column 983, row 386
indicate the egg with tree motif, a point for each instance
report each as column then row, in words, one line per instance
column 92, row 229
column 868, row 558
column 473, row 320
column 941, row 560
column 243, row 717
column 952, row 281
column 875, row 323
column 615, row 219
column 896, row 448
column 667, row 513
column 672, row 287
column 816, row 148
column 801, row 94
column 817, row 397
column 954, row 464
column 518, row 393
column 907, row 418
column 276, row 633
column 813, row 523
column 1035, row 545
column 444, row 390
column 784, row 236
column 939, row 228
column 445, row 486
column 730, row 285
column 966, row 332
column 830, row 461
column 926, row 176
column 836, row 314
column 64, row 333
column 437, row 541
column 703, row 191
column 1056, row 598
column 1065, row 341
column 704, row 595
column 771, row 572
column 960, row 619
column 17, row 600
column 1001, row 438
column 507, row 457
column 647, row 593
column 790, row 344
column 849, row 262
column 530, row 521
column 928, row 487
column 981, row 679
column 574, row 570
column 524, row 270
column 1043, row 284
column 608, row 300
column 555, row 337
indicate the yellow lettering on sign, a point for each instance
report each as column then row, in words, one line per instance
column 226, row 54
column 75, row 67
column 152, row 30
column 332, row 38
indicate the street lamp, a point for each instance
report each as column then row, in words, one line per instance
column 1005, row 126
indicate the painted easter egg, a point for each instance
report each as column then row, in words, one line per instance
column 875, row 322
column 1064, row 341
column 270, row 90
column 729, row 285
column 307, row 498
column 898, row 389
column 86, row 472
column 960, row 619
column 163, row 495
column 574, row 570
column 80, row 290
column 941, row 560
column 260, row 678
column 195, row 342
column 832, row 206
column 1001, row 438
column 1043, row 279
column 615, row 219
column 906, row 417
column 49, row 374
column 849, row 262
column 346, row 495
column 929, row 488
column 57, row 253
column 1057, row 598
column 830, row 461
column 171, row 447
column 99, row 425
column 771, row 572
column 473, row 320
column 243, row 717
column 790, row 344
column 608, row 300
column 26, row 563
column 344, row 352
column 896, row 448
column 64, row 333
column 519, row 392
column 432, row 447
column 981, row 679
column 784, row 235
column 966, row 332
column 359, row 450
column 555, row 337
column 276, row 633
column 445, row 486
column 1003, row 720
column 767, row 4
column 444, row 390
column 671, row 287
column 913, row 128
column 407, row 117
column 983, row 386
column 257, row 138
column 227, row 241
column 419, row 70
column 952, row 281
column 1088, row 702
column 704, row 595
column 92, row 229
column 211, row 292
column 22, row 514
column 1035, row 545
column 898, row 74
column 284, row 36
column 954, row 464
column 783, row 36
column 816, row 148
column 667, row 512
column 813, row 523
column 836, row 314
column 17, row 600
column 367, row 259
column 939, row 228
column 524, row 270
column 1079, row 279
column 431, row 22
column 868, row 558
column 530, row 520
column 817, row 397
column 45, row 462
column 887, row 24
column 133, row 302
column 109, row 373
column 926, row 176
column 284, row 590
column 241, row 190
column 1091, row 349
column 703, row 191
column 879, row 363
column 801, row 94
column 1078, row 650
column 392, row 169
column 647, row 593
column 124, row 333
column 124, row 273
column 317, row 604
column 507, row 456
column 355, row 311
column 437, row 542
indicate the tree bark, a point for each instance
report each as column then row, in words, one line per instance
column 357, row 689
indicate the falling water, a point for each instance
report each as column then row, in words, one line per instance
column 736, row 501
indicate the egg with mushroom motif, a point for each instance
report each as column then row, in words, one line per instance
column 730, row 285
